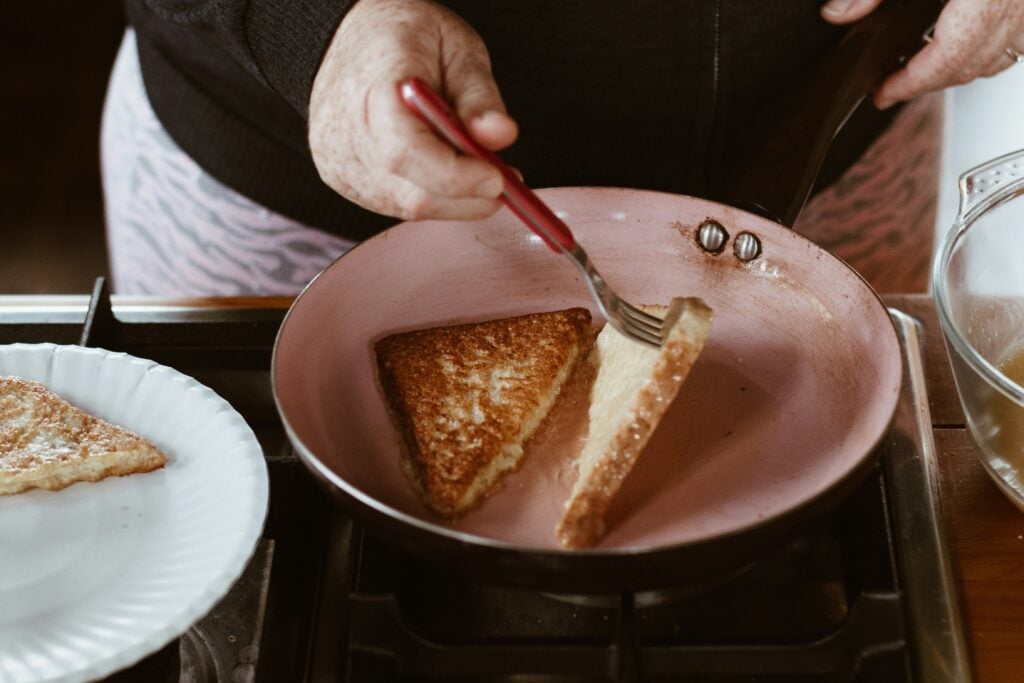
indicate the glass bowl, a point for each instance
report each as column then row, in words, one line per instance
column 978, row 285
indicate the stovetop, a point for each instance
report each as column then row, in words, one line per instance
column 867, row 595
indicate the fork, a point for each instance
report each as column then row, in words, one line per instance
column 628, row 319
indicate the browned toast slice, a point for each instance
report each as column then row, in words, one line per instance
column 633, row 388
column 47, row 443
column 466, row 398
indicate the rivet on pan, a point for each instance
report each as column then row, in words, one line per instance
column 711, row 237
column 747, row 247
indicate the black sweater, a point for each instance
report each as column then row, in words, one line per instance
column 657, row 94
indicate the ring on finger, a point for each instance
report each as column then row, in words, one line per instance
column 1013, row 54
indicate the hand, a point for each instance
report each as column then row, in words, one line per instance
column 973, row 38
column 369, row 148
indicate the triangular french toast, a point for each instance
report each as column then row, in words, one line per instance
column 47, row 443
column 466, row 398
column 632, row 390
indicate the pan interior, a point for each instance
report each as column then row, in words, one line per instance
column 794, row 388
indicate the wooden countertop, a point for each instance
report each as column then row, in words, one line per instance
column 985, row 529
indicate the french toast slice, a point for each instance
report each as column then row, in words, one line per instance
column 47, row 443
column 466, row 398
column 632, row 390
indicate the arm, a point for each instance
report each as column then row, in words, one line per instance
column 338, row 63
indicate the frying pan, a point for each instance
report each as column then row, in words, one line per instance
column 777, row 422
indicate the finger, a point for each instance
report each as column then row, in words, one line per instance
column 1001, row 63
column 936, row 66
column 846, row 11
column 411, row 202
column 493, row 130
column 402, row 145
column 470, row 87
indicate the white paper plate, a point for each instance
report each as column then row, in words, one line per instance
column 97, row 576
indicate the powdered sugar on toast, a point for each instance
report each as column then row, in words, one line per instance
column 47, row 443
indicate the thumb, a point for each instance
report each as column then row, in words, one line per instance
column 847, row 11
column 473, row 93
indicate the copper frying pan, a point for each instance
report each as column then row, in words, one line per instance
column 777, row 422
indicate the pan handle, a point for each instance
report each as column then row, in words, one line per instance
column 777, row 179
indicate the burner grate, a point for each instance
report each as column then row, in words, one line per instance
column 813, row 610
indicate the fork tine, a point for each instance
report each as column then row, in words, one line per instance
column 639, row 313
column 646, row 321
column 642, row 325
column 627, row 327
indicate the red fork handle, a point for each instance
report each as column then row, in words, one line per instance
column 435, row 112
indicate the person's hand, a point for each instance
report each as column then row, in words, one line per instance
column 973, row 38
column 370, row 149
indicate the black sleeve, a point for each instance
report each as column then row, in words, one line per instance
column 280, row 42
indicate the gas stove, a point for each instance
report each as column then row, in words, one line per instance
column 867, row 595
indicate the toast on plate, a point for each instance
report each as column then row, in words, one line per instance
column 47, row 443
column 466, row 398
column 632, row 390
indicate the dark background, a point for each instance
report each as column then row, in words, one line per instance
column 57, row 59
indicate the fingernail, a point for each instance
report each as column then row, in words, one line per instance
column 491, row 187
column 490, row 114
column 837, row 8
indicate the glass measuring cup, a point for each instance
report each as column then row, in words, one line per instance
column 978, row 285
